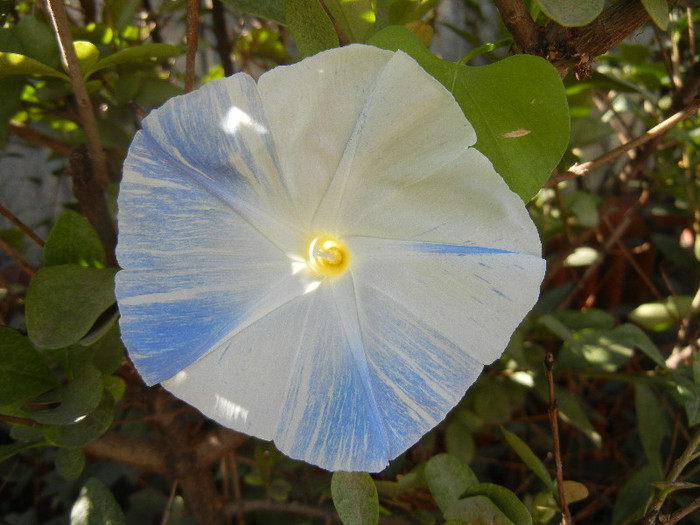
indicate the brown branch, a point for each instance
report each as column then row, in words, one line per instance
column 26, row 229
column 519, row 23
column 192, row 40
column 87, row 117
column 142, row 453
column 568, row 47
column 223, row 42
column 150, row 456
column 197, row 482
column 92, row 202
column 554, row 424
column 579, row 170
column 37, row 137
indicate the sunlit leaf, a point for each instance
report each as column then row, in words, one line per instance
column 16, row 64
column 517, row 107
column 135, row 54
column 658, row 11
column 96, row 504
column 310, row 26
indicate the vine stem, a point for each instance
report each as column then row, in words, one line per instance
column 192, row 40
column 59, row 19
column 553, row 413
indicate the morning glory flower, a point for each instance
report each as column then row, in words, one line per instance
column 320, row 258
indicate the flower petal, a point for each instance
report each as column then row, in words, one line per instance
column 219, row 135
column 324, row 95
column 463, row 203
column 294, row 377
column 193, row 269
column 409, row 127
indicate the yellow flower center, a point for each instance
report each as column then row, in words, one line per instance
column 328, row 256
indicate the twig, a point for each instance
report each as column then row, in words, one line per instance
column 520, row 24
column 26, row 229
column 223, row 42
column 342, row 37
column 32, row 135
column 576, row 48
column 16, row 258
column 168, row 508
column 652, row 517
column 87, row 117
column 580, row 170
column 192, row 40
column 197, row 482
column 554, row 423
column 680, row 514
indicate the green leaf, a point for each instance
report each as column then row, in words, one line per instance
column 574, row 491
column 658, row 11
column 310, row 26
column 87, row 54
column 634, row 337
column 37, row 40
column 96, row 506
column 660, row 316
column 355, row 498
column 16, row 64
column 269, row 9
column 525, row 453
column 70, row 462
column 355, row 18
column 477, row 510
column 135, row 54
column 63, row 302
column 448, row 478
column 517, row 106
column 507, row 502
column 572, row 12
column 73, row 240
column 634, row 496
column 23, row 371
column 688, row 392
column 76, row 399
column 84, row 431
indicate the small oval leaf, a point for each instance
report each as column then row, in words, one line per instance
column 355, row 498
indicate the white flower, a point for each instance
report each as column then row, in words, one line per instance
column 320, row 258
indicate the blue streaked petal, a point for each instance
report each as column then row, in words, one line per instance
column 219, row 136
column 194, row 270
column 418, row 375
column 474, row 298
column 298, row 377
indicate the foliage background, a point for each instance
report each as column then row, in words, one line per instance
column 83, row 441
